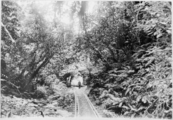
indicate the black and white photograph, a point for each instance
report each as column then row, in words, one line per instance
column 86, row 60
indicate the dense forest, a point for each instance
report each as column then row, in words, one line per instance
column 122, row 49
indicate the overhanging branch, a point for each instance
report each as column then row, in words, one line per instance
column 8, row 32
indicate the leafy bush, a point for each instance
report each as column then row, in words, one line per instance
column 145, row 93
column 41, row 91
column 140, row 82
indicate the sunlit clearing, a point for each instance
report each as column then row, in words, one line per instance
column 91, row 6
column 40, row 5
column 48, row 12
column 76, row 26
column 64, row 15
column 65, row 19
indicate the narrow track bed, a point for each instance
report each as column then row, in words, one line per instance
column 83, row 106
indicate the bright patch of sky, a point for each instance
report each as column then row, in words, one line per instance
column 91, row 7
column 46, row 8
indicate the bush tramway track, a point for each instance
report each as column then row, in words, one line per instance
column 83, row 106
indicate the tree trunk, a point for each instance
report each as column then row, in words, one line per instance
column 97, row 51
column 28, row 85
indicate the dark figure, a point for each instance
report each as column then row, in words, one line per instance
column 79, row 84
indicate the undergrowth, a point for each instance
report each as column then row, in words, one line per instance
column 147, row 92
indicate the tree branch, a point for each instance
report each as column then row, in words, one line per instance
column 8, row 32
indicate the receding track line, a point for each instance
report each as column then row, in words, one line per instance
column 91, row 105
column 83, row 105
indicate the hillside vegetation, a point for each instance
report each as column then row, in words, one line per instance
column 122, row 49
